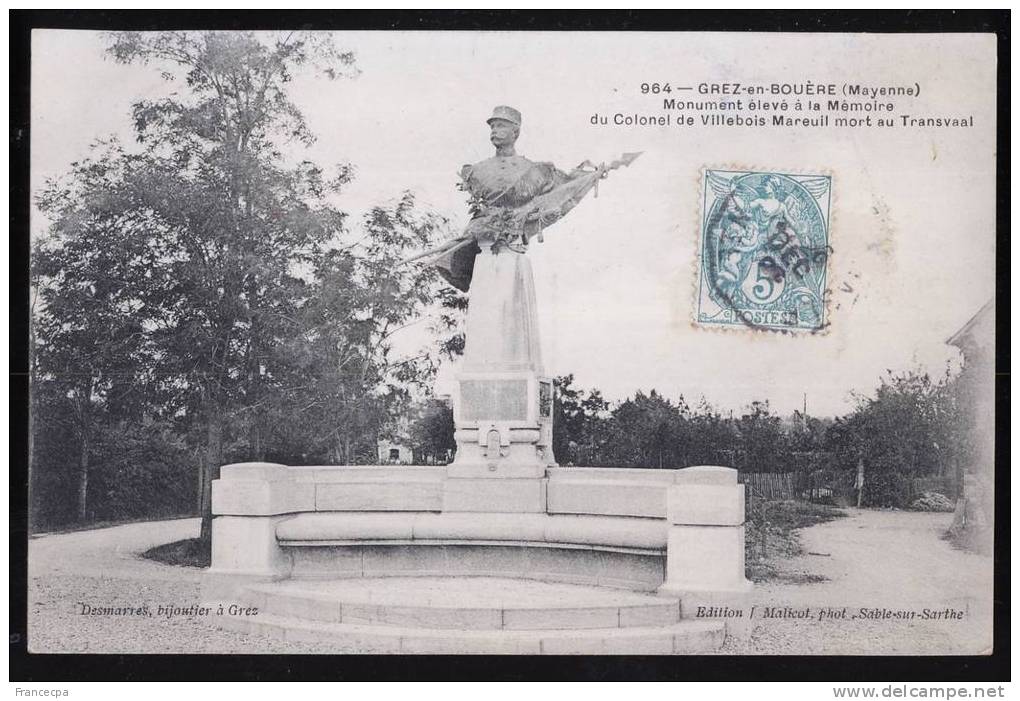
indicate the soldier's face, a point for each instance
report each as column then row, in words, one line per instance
column 502, row 132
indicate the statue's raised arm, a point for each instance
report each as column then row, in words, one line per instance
column 512, row 200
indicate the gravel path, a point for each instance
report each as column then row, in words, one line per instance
column 103, row 568
column 883, row 559
column 893, row 560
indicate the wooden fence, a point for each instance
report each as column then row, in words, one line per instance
column 775, row 486
column 831, row 486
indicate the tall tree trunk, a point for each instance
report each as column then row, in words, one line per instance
column 258, row 444
column 200, row 492
column 83, row 477
column 211, row 463
column 83, row 417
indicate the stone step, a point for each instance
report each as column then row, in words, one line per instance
column 475, row 603
column 686, row 637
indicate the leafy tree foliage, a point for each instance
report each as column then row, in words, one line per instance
column 206, row 284
column 647, row 430
column 432, row 433
column 762, row 436
column 914, row 426
column 577, row 417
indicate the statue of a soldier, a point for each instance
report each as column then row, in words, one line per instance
column 503, row 407
column 512, row 199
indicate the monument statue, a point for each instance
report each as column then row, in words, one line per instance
column 512, row 199
column 497, row 511
column 503, row 409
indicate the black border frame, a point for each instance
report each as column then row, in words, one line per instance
column 28, row 667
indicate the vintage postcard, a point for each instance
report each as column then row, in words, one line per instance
column 517, row 343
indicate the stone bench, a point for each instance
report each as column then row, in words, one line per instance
column 678, row 531
column 624, row 533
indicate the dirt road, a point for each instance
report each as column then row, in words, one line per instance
column 68, row 572
column 877, row 560
column 890, row 563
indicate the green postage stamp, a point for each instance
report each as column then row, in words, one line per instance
column 764, row 248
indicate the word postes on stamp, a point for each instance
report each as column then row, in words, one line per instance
column 764, row 249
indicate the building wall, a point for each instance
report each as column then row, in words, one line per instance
column 395, row 453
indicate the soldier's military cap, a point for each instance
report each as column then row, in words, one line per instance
column 503, row 112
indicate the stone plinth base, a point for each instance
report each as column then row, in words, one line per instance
column 706, row 558
column 472, row 615
column 705, row 546
column 705, row 511
column 248, row 546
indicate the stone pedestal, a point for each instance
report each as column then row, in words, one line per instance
column 705, row 545
column 248, row 501
column 503, row 405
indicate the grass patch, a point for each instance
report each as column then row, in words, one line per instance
column 191, row 552
column 771, row 537
column 790, row 515
column 769, row 571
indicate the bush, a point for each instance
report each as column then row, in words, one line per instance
column 885, row 486
column 192, row 552
column 933, row 501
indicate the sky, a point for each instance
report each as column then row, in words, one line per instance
column 913, row 212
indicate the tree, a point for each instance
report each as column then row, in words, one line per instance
column 90, row 346
column 713, row 437
column 352, row 395
column 762, row 439
column 645, row 432
column 807, row 433
column 910, row 428
column 578, row 420
column 432, row 433
column 220, row 271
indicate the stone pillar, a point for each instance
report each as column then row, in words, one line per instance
column 503, row 405
column 705, row 545
column 248, row 501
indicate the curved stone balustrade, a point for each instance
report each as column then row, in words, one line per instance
column 264, row 489
column 676, row 531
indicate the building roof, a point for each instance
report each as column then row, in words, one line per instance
column 960, row 338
